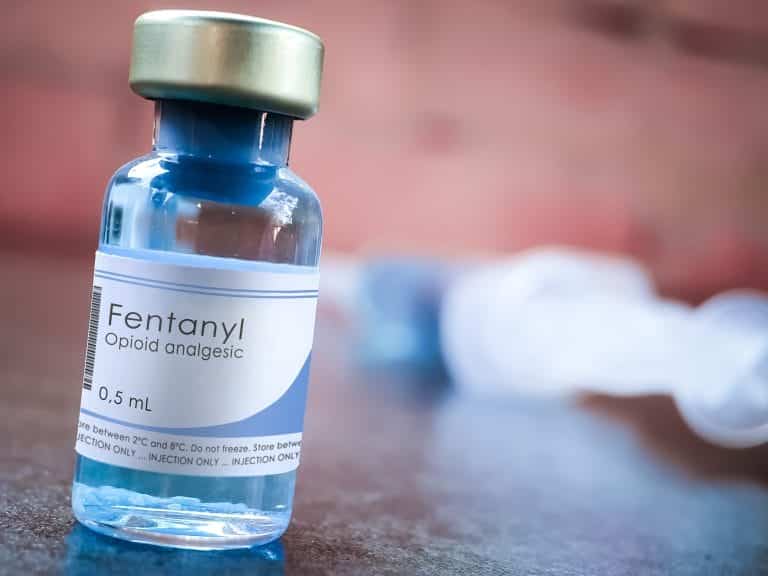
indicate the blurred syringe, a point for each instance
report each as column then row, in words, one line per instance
column 560, row 321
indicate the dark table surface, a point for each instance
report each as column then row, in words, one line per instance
column 399, row 474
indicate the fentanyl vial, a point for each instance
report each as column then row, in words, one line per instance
column 204, row 292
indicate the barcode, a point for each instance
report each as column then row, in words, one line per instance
column 93, row 334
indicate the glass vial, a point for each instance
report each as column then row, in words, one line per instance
column 204, row 292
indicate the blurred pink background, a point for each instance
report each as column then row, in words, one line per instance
column 446, row 128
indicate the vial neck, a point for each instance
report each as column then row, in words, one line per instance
column 221, row 133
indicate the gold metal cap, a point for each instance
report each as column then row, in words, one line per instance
column 227, row 59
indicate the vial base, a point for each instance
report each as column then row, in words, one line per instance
column 163, row 509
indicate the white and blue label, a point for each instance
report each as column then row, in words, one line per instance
column 197, row 370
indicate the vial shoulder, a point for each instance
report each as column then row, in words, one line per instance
column 136, row 171
column 247, row 184
column 248, row 211
column 290, row 187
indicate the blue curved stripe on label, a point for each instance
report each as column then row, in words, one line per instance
column 285, row 416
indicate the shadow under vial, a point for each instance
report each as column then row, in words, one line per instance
column 91, row 553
